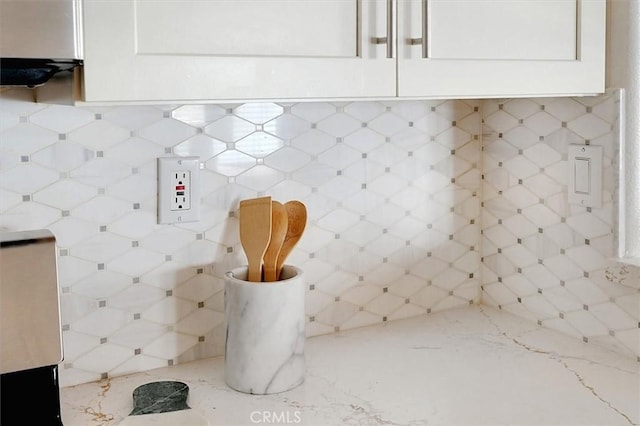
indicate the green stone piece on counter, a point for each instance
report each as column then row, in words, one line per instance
column 160, row 397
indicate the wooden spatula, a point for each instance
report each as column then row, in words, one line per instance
column 297, row 221
column 279, row 225
column 255, row 232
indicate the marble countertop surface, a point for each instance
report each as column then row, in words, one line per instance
column 472, row 366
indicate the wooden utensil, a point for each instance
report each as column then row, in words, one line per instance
column 255, row 232
column 297, row 221
column 279, row 225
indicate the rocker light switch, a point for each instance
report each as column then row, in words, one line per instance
column 582, row 172
column 585, row 175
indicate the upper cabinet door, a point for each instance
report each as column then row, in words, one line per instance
column 158, row 50
column 500, row 48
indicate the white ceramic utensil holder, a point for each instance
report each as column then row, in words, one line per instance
column 265, row 332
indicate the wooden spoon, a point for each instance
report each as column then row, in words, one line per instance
column 297, row 221
column 255, row 232
column 279, row 224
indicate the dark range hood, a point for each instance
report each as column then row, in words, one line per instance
column 39, row 39
column 32, row 72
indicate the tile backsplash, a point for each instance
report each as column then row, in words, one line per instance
column 414, row 207
column 392, row 191
column 545, row 259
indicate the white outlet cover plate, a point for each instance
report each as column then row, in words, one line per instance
column 167, row 166
column 585, row 175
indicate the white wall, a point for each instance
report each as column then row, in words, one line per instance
column 623, row 71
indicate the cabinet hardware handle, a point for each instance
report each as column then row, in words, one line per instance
column 388, row 39
column 423, row 39
column 390, row 28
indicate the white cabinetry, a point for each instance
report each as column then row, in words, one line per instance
column 500, row 48
column 235, row 49
column 197, row 50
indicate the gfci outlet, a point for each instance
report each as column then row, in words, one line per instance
column 178, row 189
column 180, row 197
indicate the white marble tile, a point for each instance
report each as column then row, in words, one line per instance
column 364, row 140
column 231, row 163
column 133, row 117
column 313, row 111
column 521, row 108
column 364, row 111
column 287, row 159
column 99, row 135
column 411, row 110
column 521, row 167
column 102, row 358
column 393, row 190
column 258, row 113
column 588, row 225
column 521, row 137
column 62, row 119
column 565, row 109
column 65, row 194
column 201, row 146
column 589, row 126
column 260, row 178
column 230, row 129
column 200, row 322
column 501, row 120
column 137, row 334
column 612, row 316
column 543, row 123
column 26, row 138
column 101, row 323
column 388, row 124
column 198, row 115
column 63, row 156
column 170, row 345
column 287, row 126
column 259, row 144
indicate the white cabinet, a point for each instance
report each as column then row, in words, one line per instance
column 500, row 48
column 197, row 50
column 157, row 50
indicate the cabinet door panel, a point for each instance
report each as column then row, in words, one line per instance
column 478, row 29
column 500, row 48
column 158, row 50
column 247, row 28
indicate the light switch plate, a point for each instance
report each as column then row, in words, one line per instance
column 178, row 189
column 585, row 175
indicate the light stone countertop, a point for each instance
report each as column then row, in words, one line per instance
column 472, row 366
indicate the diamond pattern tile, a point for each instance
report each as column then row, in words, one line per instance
column 259, row 144
column 133, row 118
column 198, row 115
column 201, row 146
column 260, row 178
column 339, row 125
column 258, row 113
column 27, row 138
column 394, row 193
column 231, row 163
column 313, row 112
column 61, row 119
column 287, row 126
column 551, row 263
